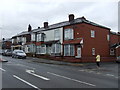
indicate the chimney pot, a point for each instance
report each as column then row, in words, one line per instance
column 71, row 17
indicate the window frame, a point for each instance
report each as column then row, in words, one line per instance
column 70, row 47
column 33, row 37
column 68, row 34
column 92, row 33
column 93, row 51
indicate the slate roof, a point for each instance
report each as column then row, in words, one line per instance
column 62, row 24
column 22, row 33
column 66, row 23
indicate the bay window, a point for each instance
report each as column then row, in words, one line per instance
column 56, row 48
column 68, row 50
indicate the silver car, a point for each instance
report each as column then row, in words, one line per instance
column 18, row 54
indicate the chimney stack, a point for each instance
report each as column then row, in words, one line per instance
column 29, row 28
column 45, row 24
column 71, row 17
column 38, row 27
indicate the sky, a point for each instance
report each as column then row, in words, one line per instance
column 16, row 15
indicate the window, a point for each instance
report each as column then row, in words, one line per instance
column 68, row 34
column 24, row 40
column 33, row 37
column 68, row 50
column 56, row 48
column 92, row 33
column 108, row 37
column 42, row 49
column 57, row 34
column 38, row 37
column 38, row 49
column 93, row 51
column 112, row 52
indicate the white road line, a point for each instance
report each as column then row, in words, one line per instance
column 32, row 73
column 25, row 82
column 109, row 75
column 72, row 79
column 98, row 73
column 81, row 70
column 2, row 69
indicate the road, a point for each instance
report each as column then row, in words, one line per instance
column 22, row 73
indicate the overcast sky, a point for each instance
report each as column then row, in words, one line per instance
column 15, row 15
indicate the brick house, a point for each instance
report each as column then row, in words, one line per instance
column 6, row 43
column 75, row 40
column 21, row 40
column 115, row 43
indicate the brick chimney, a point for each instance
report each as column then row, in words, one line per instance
column 29, row 28
column 71, row 17
column 45, row 24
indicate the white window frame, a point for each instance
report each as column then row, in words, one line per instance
column 93, row 51
column 108, row 37
column 33, row 37
column 69, row 51
column 42, row 48
column 38, row 37
column 92, row 33
column 68, row 34
column 57, row 34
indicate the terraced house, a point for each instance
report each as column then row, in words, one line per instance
column 75, row 40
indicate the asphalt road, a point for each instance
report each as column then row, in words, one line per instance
column 22, row 73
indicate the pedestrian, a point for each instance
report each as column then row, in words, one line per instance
column 98, row 60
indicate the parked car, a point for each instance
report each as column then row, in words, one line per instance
column 18, row 54
column 118, row 59
column 7, row 52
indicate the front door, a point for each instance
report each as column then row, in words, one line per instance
column 79, row 51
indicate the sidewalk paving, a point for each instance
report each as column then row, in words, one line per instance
column 105, row 67
column 84, row 65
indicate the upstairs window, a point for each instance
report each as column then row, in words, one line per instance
column 68, row 34
column 92, row 33
column 38, row 37
column 33, row 37
column 108, row 37
column 57, row 34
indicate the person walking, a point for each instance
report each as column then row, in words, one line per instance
column 98, row 60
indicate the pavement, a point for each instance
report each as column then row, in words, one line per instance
column 103, row 65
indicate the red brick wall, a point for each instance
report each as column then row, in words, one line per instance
column 113, row 39
column 100, row 42
column 8, row 45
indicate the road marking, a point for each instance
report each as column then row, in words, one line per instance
column 98, row 73
column 71, row 79
column 25, row 82
column 2, row 69
column 109, row 75
column 33, row 73
column 81, row 70
column 90, row 71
